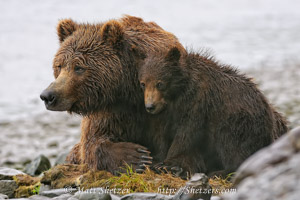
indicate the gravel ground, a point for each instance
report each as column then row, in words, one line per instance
column 48, row 133
column 281, row 86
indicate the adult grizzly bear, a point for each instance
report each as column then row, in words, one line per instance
column 96, row 76
column 209, row 117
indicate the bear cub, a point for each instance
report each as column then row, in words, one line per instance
column 210, row 117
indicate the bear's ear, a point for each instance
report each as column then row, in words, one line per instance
column 65, row 28
column 112, row 32
column 173, row 55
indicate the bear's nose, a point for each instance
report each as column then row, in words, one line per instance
column 150, row 107
column 48, row 97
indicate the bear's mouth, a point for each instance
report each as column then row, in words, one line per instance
column 56, row 106
column 54, row 102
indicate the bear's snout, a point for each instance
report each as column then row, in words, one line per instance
column 49, row 97
column 150, row 107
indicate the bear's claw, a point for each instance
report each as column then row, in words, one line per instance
column 145, row 160
column 175, row 170
column 147, row 157
column 143, row 151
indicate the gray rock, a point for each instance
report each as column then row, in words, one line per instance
column 215, row 198
column 91, row 194
column 44, row 187
column 272, row 173
column 196, row 188
column 63, row 197
column 38, row 197
column 72, row 198
column 3, row 196
column 8, row 187
column 20, row 199
column 55, row 192
column 114, row 197
column 61, row 158
column 38, row 165
column 8, row 173
column 146, row 196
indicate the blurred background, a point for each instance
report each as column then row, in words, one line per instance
column 259, row 37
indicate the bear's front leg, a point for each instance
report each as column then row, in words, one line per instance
column 74, row 157
column 100, row 152
column 184, row 157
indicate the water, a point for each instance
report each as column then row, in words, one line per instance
column 244, row 33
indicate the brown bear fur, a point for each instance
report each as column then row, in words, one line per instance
column 209, row 117
column 96, row 72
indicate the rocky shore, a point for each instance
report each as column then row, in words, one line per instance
column 281, row 86
column 271, row 173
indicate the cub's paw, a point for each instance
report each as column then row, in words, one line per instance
column 134, row 155
column 167, row 167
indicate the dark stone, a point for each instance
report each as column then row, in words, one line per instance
column 38, row 165
column 197, row 188
column 272, row 173
column 8, row 173
column 8, row 187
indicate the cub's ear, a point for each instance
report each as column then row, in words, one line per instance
column 112, row 32
column 65, row 28
column 173, row 55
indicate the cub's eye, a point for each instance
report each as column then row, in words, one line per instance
column 159, row 85
column 79, row 70
column 58, row 68
column 143, row 85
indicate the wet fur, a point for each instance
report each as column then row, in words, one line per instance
column 107, row 94
column 215, row 117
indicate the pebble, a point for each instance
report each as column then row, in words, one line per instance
column 38, row 197
column 146, row 196
column 198, row 182
column 53, row 193
column 63, row 197
column 8, row 187
column 215, row 198
column 8, row 173
column 3, row 196
column 91, row 196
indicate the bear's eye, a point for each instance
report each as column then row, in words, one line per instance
column 59, row 68
column 79, row 69
column 159, row 85
column 143, row 85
